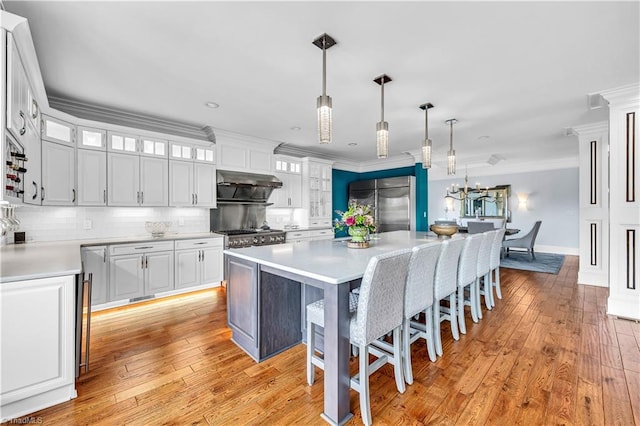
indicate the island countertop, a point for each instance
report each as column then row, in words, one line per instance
column 330, row 261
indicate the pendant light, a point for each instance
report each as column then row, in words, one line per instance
column 324, row 102
column 451, row 155
column 426, row 142
column 382, row 127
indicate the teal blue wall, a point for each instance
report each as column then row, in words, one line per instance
column 342, row 179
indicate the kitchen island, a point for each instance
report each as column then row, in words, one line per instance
column 266, row 299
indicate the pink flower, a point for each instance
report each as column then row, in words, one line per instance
column 350, row 221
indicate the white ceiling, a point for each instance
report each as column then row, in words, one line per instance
column 515, row 74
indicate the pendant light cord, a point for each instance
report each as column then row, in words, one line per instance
column 324, row 67
column 382, row 101
column 426, row 123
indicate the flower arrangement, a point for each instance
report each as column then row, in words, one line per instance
column 357, row 215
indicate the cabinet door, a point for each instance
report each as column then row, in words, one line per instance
column 92, row 178
column 126, row 277
column 123, row 176
column 211, row 263
column 33, row 175
column 205, row 185
column 181, row 191
column 94, row 261
column 154, row 181
column 59, row 131
column 280, row 196
column 158, row 272
column 58, row 174
column 187, row 268
column 90, row 138
column 17, row 91
column 37, row 351
column 295, row 190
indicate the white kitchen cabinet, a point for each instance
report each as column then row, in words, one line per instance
column 289, row 171
column 33, row 176
column 18, row 93
column 241, row 157
column 192, row 183
column 95, row 261
column 192, row 152
column 198, row 262
column 92, row 177
column 37, row 356
column 58, row 174
column 309, row 235
column 138, row 270
column 154, row 180
column 137, row 181
column 317, row 191
column 92, row 138
column 59, row 131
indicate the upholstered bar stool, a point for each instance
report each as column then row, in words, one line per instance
column 483, row 274
column 380, row 310
column 418, row 298
column 494, row 263
column 467, row 280
column 444, row 287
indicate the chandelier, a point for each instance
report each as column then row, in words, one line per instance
column 462, row 194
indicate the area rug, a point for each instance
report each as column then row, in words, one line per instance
column 544, row 262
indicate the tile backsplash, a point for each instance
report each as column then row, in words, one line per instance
column 74, row 223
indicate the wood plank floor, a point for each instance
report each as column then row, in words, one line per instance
column 546, row 355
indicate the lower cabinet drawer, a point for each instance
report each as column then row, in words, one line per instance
column 199, row 243
column 147, row 247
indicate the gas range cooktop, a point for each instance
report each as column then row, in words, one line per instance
column 238, row 238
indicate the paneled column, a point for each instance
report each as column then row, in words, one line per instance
column 624, row 201
column 594, row 204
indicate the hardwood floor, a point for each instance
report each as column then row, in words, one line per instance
column 547, row 354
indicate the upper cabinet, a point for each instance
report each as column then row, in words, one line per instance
column 192, row 175
column 91, row 138
column 244, row 153
column 317, row 194
column 22, row 106
column 289, row 171
column 59, row 131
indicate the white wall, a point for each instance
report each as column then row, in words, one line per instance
column 553, row 199
column 68, row 223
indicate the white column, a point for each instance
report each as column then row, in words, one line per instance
column 624, row 201
column 594, row 203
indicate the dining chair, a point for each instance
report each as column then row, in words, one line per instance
column 479, row 227
column 444, row 287
column 467, row 280
column 525, row 242
column 483, row 274
column 494, row 263
column 379, row 311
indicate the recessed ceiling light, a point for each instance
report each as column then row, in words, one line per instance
column 352, row 144
column 295, row 128
column 212, row 104
column 483, row 137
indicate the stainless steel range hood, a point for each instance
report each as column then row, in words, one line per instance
column 239, row 187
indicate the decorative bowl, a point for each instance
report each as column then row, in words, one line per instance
column 444, row 231
column 157, row 229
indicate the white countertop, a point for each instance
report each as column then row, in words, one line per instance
column 330, row 261
column 30, row 261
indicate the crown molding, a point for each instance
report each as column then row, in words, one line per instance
column 622, row 96
column 587, row 129
column 93, row 112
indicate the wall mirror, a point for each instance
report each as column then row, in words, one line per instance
column 490, row 203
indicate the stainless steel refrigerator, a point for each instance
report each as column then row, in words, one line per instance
column 392, row 201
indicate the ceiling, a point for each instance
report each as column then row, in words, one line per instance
column 515, row 74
